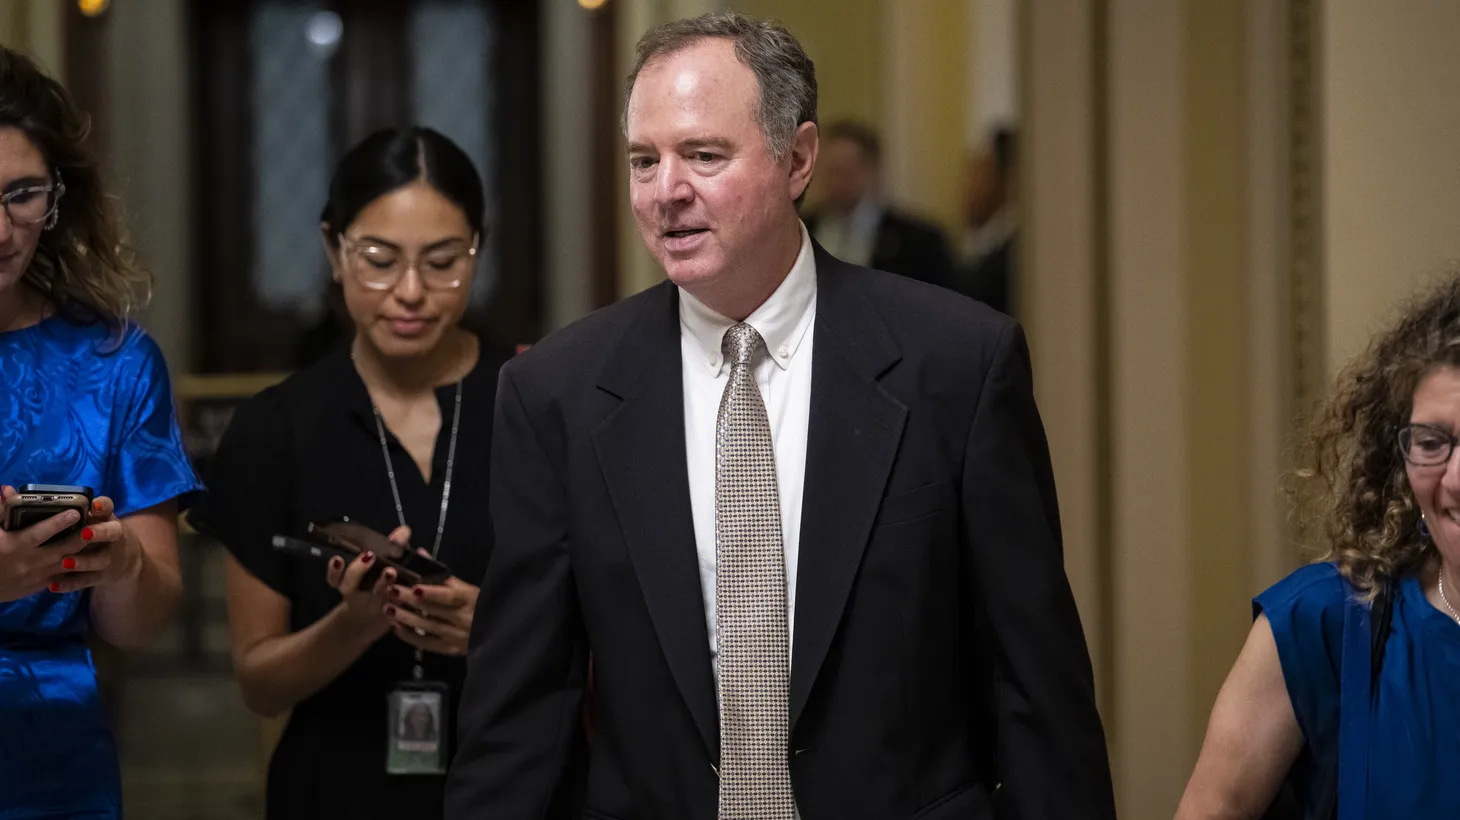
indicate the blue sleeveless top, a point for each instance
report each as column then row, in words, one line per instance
column 1414, row 736
column 77, row 406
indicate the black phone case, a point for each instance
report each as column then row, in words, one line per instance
column 21, row 516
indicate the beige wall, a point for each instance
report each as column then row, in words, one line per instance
column 1390, row 82
column 844, row 39
column 925, row 105
column 566, row 107
column 1156, row 212
column 150, row 160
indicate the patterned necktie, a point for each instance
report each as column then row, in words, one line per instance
column 750, row 598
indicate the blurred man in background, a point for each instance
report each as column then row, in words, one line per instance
column 855, row 224
column 986, row 267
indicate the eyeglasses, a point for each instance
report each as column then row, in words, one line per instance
column 381, row 267
column 1424, row 445
column 33, row 205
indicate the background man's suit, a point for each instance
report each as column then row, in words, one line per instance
column 937, row 654
column 905, row 244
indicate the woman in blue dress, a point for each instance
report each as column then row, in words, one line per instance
column 84, row 400
column 1387, row 484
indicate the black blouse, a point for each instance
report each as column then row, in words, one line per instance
column 308, row 450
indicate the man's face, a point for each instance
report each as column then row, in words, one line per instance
column 847, row 174
column 985, row 191
column 707, row 195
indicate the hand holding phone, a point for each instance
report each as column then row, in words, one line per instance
column 435, row 617
column 412, row 567
column 361, row 601
column 27, row 567
column 34, row 503
column 93, row 550
column 361, row 576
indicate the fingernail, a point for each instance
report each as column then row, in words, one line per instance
column 336, row 563
column 390, row 612
column 87, row 534
column 390, row 575
column 394, row 593
column 96, row 506
column 55, row 587
column 367, row 558
column 420, row 593
column 68, row 563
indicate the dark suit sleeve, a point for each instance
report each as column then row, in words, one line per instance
column 519, row 727
column 936, row 260
column 1051, row 752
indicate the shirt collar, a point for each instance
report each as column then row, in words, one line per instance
column 781, row 320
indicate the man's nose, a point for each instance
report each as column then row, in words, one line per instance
column 673, row 183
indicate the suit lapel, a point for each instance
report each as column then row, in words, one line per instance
column 853, row 438
column 641, row 449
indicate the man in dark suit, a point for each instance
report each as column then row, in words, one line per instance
column 799, row 513
column 855, row 225
column 987, row 269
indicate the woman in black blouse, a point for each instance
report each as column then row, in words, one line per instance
column 394, row 434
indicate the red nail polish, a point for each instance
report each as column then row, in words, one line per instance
column 367, row 558
column 87, row 534
column 96, row 506
column 420, row 593
column 55, row 587
column 390, row 612
column 68, row 563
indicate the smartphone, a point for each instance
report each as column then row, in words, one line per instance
column 411, row 567
column 308, row 549
column 37, row 502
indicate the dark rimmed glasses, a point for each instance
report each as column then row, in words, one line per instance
column 1425, row 445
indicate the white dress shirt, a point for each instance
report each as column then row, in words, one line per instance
column 785, row 322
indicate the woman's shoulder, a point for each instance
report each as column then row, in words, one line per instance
column 1305, row 611
column 319, row 384
column 120, row 343
column 1318, row 586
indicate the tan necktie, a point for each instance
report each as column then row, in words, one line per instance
column 750, row 598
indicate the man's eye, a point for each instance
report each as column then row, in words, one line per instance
column 704, row 156
column 640, row 163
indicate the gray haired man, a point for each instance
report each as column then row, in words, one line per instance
column 799, row 513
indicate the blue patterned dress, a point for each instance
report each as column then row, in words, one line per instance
column 77, row 406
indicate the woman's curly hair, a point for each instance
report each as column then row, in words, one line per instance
column 1353, row 483
column 83, row 265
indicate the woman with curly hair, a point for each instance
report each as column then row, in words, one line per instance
column 84, row 401
column 1368, row 637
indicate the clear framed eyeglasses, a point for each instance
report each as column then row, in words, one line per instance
column 34, row 204
column 381, row 266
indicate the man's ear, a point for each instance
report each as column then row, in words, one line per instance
column 805, row 146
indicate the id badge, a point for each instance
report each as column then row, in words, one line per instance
column 416, row 729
